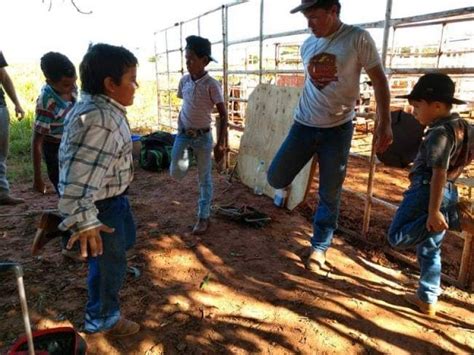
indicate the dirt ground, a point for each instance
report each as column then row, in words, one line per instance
column 238, row 289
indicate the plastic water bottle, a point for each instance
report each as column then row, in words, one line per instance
column 280, row 197
column 260, row 178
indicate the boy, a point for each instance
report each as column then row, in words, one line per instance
column 95, row 170
column 56, row 99
column 7, row 84
column 430, row 205
column 200, row 93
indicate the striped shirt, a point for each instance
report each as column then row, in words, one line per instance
column 51, row 109
column 199, row 98
column 95, row 159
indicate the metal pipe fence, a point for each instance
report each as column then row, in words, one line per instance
column 165, row 97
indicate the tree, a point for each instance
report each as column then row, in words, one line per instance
column 73, row 2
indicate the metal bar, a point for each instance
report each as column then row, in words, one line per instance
column 370, row 182
column 170, row 51
column 157, row 79
column 199, row 25
column 392, row 54
column 26, row 318
column 237, row 2
column 260, row 42
column 386, row 32
column 440, row 47
column 421, row 71
column 437, row 22
column 168, row 70
column 181, row 47
column 408, row 21
column 225, row 79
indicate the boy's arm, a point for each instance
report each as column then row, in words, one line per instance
column 36, row 145
column 90, row 151
column 10, row 90
column 219, row 149
column 436, row 221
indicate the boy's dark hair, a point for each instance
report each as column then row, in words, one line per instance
column 200, row 46
column 102, row 61
column 326, row 5
column 55, row 65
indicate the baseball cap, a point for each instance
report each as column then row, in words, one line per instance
column 306, row 4
column 200, row 45
column 434, row 87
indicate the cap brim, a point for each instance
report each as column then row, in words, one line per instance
column 302, row 7
column 458, row 102
column 408, row 97
column 212, row 59
column 415, row 97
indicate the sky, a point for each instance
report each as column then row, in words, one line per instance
column 28, row 28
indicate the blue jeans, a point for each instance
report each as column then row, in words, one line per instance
column 107, row 271
column 50, row 155
column 4, row 132
column 408, row 229
column 202, row 149
column 332, row 146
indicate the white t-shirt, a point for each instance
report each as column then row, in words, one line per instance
column 332, row 73
column 199, row 98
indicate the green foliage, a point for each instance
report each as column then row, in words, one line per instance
column 28, row 81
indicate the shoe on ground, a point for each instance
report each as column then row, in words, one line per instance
column 466, row 217
column 316, row 260
column 8, row 200
column 423, row 307
column 201, row 226
column 123, row 328
column 47, row 230
column 73, row 255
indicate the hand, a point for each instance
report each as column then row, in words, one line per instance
column 383, row 138
column 19, row 112
column 90, row 238
column 219, row 152
column 39, row 186
column 436, row 222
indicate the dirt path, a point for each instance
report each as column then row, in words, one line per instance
column 257, row 298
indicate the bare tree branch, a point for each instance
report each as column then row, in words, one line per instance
column 73, row 4
column 79, row 10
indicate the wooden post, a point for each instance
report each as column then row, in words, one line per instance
column 466, row 271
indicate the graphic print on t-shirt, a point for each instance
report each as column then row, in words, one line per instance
column 322, row 69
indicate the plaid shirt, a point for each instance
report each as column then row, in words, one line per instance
column 95, row 159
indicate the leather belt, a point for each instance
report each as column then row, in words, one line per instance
column 192, row 132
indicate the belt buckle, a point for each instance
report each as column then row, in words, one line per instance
column 191, row 133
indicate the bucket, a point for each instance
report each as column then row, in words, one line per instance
column 137, row 146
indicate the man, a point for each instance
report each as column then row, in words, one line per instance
column 7, row 84
column 333, row 57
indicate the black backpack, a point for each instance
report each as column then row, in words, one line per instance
column 155, row 153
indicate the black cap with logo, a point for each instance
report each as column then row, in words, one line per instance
column 434, row 87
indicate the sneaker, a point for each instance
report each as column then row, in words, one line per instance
column 466, row 216
column 8, row 200
column 423, row 307
column 316, row 260
column 73, row 255
column 123, row 328
column 201, row 226
column 47, row 230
